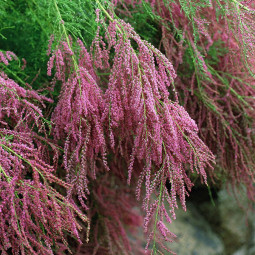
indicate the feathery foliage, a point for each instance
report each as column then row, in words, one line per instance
column 107, row 101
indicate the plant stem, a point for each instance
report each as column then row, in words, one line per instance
column 156, row 218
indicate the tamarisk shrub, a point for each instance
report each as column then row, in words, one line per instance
column 144, row 126
column 119, row 130
column 33, row 214
column 147, row 127
column 77, row 116
column 135, row 117
column 221, row 97
column 211, row 46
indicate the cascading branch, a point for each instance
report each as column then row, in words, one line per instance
column 33, row 214
column 152, row 132
column 211, row 46
column 116, row 99
column 77, row 116
column 221, row 96
column 119, row 132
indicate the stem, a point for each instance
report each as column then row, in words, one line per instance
column 25, row 160
column 108, row 15
column 5, row 175
column 103, row 9
column 243, row 6
column 144, row 105
column 156, row 218
column 15, row 76
column 66, row 36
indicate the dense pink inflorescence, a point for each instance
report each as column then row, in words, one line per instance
column 123, row 131
column 219, row 92
column 33, row 214
column 222, row 105
column 133, row 112
column 6, row 57
column 146, row 124
column 77, row 116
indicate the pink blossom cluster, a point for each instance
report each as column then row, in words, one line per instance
column 33, row 214
column 219, row 97
column 77, row 116
column 123, row 126
column 7, row 56
column 223, row 104
column 151, row 131
column 133, row 113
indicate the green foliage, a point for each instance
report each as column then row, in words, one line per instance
column 26, row 26
column 215, row 52
column 144, row 20
column 30, row 43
